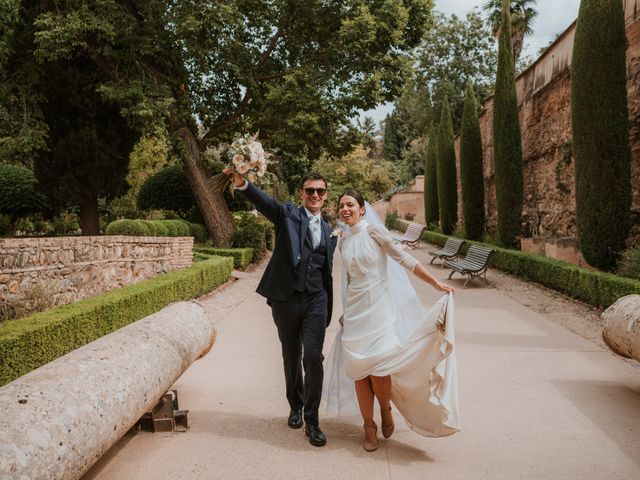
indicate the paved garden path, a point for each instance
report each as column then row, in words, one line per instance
column 538, row 401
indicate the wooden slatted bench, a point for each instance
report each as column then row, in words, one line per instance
column 412, row 235
column 474, row 264
column 450, row 251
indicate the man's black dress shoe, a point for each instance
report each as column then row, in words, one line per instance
column 295, row 419
column 316, row 437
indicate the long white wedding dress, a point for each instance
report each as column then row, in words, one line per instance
column 385, row 335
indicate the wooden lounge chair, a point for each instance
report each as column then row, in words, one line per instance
column 450, row 251
column 412, row 236
column 474, row 264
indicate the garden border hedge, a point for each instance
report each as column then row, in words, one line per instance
column 596, row 288
column 241, row 256
column 27, row 343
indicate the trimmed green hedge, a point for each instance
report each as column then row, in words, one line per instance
column 596, row 288
column 27, row 343
column 241, row 256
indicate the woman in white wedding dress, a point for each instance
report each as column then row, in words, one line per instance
column 394, row 349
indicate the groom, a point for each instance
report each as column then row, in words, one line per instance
column 298, row 286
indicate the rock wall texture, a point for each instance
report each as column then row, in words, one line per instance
column 544, row 94
column 73, row 268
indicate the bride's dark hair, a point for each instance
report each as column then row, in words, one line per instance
column 355, row 194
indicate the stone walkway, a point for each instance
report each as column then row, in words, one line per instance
column 538, row 401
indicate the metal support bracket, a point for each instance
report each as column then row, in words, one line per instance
column 165, row 416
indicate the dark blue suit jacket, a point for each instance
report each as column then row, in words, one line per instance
column 291, row 225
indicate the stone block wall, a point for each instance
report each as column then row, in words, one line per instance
column 73, row 268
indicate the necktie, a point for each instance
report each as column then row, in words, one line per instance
column 314, row 225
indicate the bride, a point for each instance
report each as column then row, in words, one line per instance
column 390, row 345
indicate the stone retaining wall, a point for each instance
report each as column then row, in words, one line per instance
column 73, row 268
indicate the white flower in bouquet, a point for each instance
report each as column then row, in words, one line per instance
column 247, row 157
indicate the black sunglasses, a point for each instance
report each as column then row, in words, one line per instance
column 319, row 191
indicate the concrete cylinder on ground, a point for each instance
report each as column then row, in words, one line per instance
column 56, row 421
column 621, row 326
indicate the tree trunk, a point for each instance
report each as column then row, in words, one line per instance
column 89, row 223
column 214, row 209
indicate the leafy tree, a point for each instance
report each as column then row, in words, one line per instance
column 521, row 15
column 356, row 170
column 446, row 170
column 294, row 71
column 601, row 132
column 431, row 207
column 19, row 195
column 88, row 142
column 452, row 52
column 413, row 112
column 507, row 147
column 471, row 171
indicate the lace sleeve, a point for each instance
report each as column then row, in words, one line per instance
column 382, row 236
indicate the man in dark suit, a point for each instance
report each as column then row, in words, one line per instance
column 298, row 286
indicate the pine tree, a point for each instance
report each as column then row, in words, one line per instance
column 507, row 147
column 471, row 171
column 447, row 188
column 431, row 208
column 601, row 132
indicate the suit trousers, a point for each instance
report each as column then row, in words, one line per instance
column 301, row 322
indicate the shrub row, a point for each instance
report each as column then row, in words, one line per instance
column 158, row 228
column 241, row 256
column 253, row 232
column 30, row 342
column 596, row 288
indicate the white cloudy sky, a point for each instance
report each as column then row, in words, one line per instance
column 554, row 16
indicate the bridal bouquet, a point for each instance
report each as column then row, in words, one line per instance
column 247, row 157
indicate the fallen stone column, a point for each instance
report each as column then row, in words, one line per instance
column 56, row 421
column 621, row 326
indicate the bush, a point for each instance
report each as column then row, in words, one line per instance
column 391, row 221
column 176, row 228
column 630, row 263
column 18, row 194
column 199, row 233
column 250, row 233
column 133, row 228
column 30, row 342
column 595, row 288
column 5, row 224
column 241, row 256
column 161, row 228
column 151, row 226
column 168, row 189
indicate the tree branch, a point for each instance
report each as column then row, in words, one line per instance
column 244, row 103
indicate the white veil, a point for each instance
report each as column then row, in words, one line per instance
column 338, row 388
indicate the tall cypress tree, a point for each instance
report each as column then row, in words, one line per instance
column 601, row 132
column 471, row 171
column 431, row 208
column 392, row 140
column 507, row 146
column 447, row 188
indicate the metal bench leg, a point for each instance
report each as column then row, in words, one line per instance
column 452, row 272
column 432, row 259
column 467, row 281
